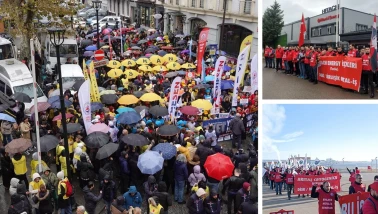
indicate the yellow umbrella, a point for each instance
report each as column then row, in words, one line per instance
column 131, row 74
column 149, row 97
column 128, row 99
column 188, row 66
column 157, row 60
column 203, row 104
column 114, row 73
column 173, row 66
column 160, row 68
column 143, row 61
column 170, row 58
column 145, row 68
column 107, row 92
column 128, row 63
column 114, row 64
column 105, row 47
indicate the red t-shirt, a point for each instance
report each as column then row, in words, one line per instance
column 295, row 56
column 306, row 60
column 352, row 53
column 290, row 179
column 277, row 177
column 313, row 59
column 366, row 65
column 267, row 52
column 284, row 56
column 279, row 53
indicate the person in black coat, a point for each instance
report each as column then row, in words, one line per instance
column 19, row 204
column 6, row 168
column 44, row 198
column 109, row 192
column 248, row 207
column 90, row 198
column 213, row 203
column 164, row 198
column 85, row 169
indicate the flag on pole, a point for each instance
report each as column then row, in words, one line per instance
column 302, row 32
column 373, row 45
column 305, row 162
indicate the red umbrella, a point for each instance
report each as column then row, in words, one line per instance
column 59, row 117
column 166, row 48
column 189, row 110
column 42, row 106
column 219, row 166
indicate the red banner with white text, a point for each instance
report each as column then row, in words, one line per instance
column 353, row 203
column 283, row 212
column 303, row 183
column 201, row 49
column 343, row 71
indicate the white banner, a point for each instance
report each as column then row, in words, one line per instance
column 218, row 71
column 240, row 69
column 254, row 74
column 173, row 97
column 85, row 104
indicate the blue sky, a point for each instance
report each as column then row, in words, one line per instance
column 321, row 131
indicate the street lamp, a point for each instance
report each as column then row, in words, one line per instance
column 97, row 5
column 57, row 39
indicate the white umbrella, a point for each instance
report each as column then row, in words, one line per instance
column 54, row 93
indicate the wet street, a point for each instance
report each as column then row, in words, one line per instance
column 282, row 86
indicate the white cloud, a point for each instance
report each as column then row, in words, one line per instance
column 293, row 135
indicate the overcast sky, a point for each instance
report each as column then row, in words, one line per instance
column 293, row 9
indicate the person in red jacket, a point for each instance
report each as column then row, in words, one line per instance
column 266, row 55
column 271, row 178
column 284, row 60
column 290, row 182
column 278, row 181
column 371, row 203
column 314, row 66
column 352, row 51
column 290, row 60
column 326, row 197
column 367, row 74
column 340, row 52
column 307, row 63
column 279, row 53
column 330, row 52
column 295, row 61
column 357, row 186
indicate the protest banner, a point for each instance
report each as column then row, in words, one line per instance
column 304, row 183
column 342, row 71
column 283, row 212
column 352, row 203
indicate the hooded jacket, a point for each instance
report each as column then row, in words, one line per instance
column 84, row 167
column 51, row 180
column 150, row 186
column 135, row 200
column 164, row 198
column 34, row 163
column 19, row 204
column 34, row 186
column 241, row 196
column 181, row 171
column 109, row 191
column 212, row 205
column 195, row 205
column 90, row 199
column 13, row 186
column 196, row 176
column 248, row 207
column 124, row 166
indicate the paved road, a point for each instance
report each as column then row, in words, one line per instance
column 282, row 86
column 308, row 205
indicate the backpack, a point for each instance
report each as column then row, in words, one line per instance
column 69, row 190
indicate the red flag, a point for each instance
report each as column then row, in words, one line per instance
column 302, row 32
column 201, row 49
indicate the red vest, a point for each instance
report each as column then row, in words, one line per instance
column 352, row 53
column 271, row 175
column 359, row 188
column 284, row 56
column 279, row 53
column 366, row 65
column 277, row 177
column 329, row 53
column 289, row 55
column 267, row 52
column 290, row 179
column 295, row 56
column 313, row 59
column 306, row 60
column 326, row 201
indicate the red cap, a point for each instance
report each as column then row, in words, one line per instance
column 246, row 185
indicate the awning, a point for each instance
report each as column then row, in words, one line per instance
column 176, row 13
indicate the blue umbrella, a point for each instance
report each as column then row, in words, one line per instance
column 7, row 118
column 53, row 99
column 150, row 162
column 166, row 149
column 128, row 118
column 227, row 84
column 57, row 105
column 209, row 78
column 226, row 68
column 96, row 106
column 88, row 53
column 162, row 53
column 107, row 37
column 91, row 35
column 221, row 53
column 121, row 110
column 91, row 48
column 181, row 72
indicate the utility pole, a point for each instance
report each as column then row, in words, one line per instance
column 222, row 27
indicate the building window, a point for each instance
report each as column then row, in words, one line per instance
column 201, row 3
column 335, row 29
column 320, row 31
column 313, row 32
column 329, row 29
column 194, row 3
column 360, row 27
column 171, row 1
column 247, row 6
column 177, row 2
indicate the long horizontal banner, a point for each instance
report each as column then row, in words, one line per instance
column 304, row 183
column 353, row 203
column 342, row 71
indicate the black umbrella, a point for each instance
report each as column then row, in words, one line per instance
column 138, row 93
column 77, row 85
column 96, row 140
column 135, row 48
column 71, row 128
column 109, row 98
column 158, row 111
column 154, row 47
column 106, row 151
column 171, row 74
column 135, row 140
column 86, row 42
column 168, row 130
column 21, row 97
column 181, row 42
column 149, row 50
column 142, row 41
column 141, row 108
column 200, row 86
column 4, row 107
column 181, row 72
column 141, row 29
column 48, row 142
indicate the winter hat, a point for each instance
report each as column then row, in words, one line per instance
column 60, row 175
column 246, row 185
column 200, row 192
column 111, row 123
column 132, row 189
column 201, row 137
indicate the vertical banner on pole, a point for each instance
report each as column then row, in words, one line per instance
column 85, row 104
column 201, row 50
column 173, row 97
column 240, row 69
column 94, row 86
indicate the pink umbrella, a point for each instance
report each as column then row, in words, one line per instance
column 106, row 31
column 42, row 106
column 98, row 127
column 59, row 117
column 148, row 55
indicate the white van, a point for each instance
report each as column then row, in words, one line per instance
column 71, row 73
column 16, row 77
column 69, row 49
column 111, row 20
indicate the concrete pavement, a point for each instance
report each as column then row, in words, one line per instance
column 282, row 86
column 308, row 205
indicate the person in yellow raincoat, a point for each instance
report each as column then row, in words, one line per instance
column 58, row 152
column 34, row 164
column 63, row 164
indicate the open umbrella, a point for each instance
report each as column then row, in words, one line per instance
column 173, row 66
column 158, row 111
column 57, row 105
column 91, row 48
column 41, row 106
column 156, row 60
column 115, row 73
column 107, row 37
column 141, row 108
column 149, row 50
column 96, row 140
column 104, row 92
column 21, row 97
column 135, row 140
column 150, row 162
column 166, row 47
column 226, row 68
column 106, row 31
column 59, row 116
column 136, row 48
column 18, row 145
column 109, row 99
column 95, row 106
column 219, row 166
column 202, row 103
column 128, row 63
column 7, row 118
column 131, row 74
column 4, row 107
column 122, row 109
column 106, row 151
column 181, row 42
column 143, row 61
column 48, row 142
column 128, row 99
column 160, row 68
column 149, row 97
column 201, row 86
column 168, row 130
column 128, row 118
column 170, row 58
column 188, row 66
column 98, row 127
column 77, row 84
column 171, row 74
column 142, row 41
column 166, row 149
column 145, row 68
column 88, row 53
column 227, row 84
column 162, row 53
column 54, row 93
column 181, row 73
column 72, row 128
column 139, row 94
column 114, row 64
column 209, row 78
column 189, row 110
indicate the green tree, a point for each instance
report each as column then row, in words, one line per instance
column 272, row 24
